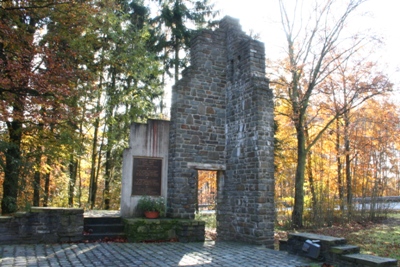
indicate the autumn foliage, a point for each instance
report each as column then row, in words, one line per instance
column 207, row 190
column 374, row 166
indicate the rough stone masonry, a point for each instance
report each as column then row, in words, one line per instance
column 222, row 120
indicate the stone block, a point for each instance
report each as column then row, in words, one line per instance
column 345, row 249
column 369, row 260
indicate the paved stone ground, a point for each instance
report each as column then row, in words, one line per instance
column 139, row 254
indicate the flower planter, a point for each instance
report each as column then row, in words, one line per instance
column 151, row 204
column 151, row 214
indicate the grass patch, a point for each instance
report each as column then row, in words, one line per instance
column 210, row 219
column 382, row 240
column 211, row 225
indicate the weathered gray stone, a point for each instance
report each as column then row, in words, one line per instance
column 43, row 225
column 222, row 115
column 369, row 260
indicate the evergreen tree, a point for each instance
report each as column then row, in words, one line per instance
column 177, row 19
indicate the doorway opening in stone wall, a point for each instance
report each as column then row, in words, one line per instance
column 207, row 201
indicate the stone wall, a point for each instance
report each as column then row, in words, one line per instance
column 222, row 119
column 247, row 205
column 197, row 121
column 42, row 225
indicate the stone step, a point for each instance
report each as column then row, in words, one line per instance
column 283, row 245
column 103, row 228
column 103, row 236
column 369, row 260
column 345, row 249
column 102, row 220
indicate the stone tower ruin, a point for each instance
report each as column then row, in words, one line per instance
column 222, row 120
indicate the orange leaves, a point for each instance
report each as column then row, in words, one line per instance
column 207, row 188
column 38, row 64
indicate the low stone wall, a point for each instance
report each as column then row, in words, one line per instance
column 42, row 225
column 140, row 230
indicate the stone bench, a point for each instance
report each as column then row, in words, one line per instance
column 296, row 240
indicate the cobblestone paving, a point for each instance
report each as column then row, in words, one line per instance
column 155, row 254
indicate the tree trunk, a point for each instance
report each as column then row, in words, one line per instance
column 348, row 163
column 311, row 179
column 108, row 165
column 107, row 180
column 73, row 163
column 80, row 183
column 93, row 182
column 99, row 156
column 13, row 161
column 339, row 167
column 36, row 189
column 47, row 186
column 297, row 215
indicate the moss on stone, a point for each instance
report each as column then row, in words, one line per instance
column 140, row 229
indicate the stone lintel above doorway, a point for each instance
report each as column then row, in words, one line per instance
column 206, row 166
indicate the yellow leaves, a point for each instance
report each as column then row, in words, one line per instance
column 374, row 142
column 207, row 177
column 207, row 189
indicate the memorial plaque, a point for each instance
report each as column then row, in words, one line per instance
column 146, row 177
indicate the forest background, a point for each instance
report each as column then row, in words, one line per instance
column 74, row 75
